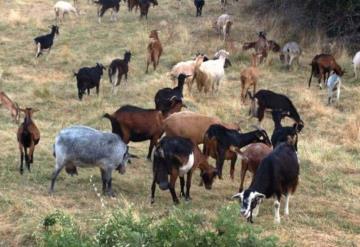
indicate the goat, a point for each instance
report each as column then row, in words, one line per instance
column 89, row 77
column 13, row 107
column 154, row 50
column 61, row 8
column 191, row 125
column 277, row 175
column 223, row 25
column 164, row 97
column 290, row 52
column 280, row 133
column 266, row 99
column 199, row 4
column 104, row 5
column 118, row 68
column 28, row 136
column 211, row 72
column 46, row 41
column 219, row 140
column 82, row 146
column 334, row 84
column 144, row 7
column 248, row 78
column 356, row 63
column 136, row 124
column 322, row 65
column 251, row 157
column 177, row 156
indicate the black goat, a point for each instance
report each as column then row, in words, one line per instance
column 266, row 99
column 199, row 4
column 280, row 133
column 118, row 68
column 277, row 174
column 104, row 5
column 177, row 156
column 87, row 78
column 219, row 139
column 144, row 7
column 165, row 97
column 46, row 41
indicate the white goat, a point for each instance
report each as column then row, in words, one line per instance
column 290, row 52
column 356, row 62
column 214, row 71
column 223, row 25
column 62, row 8
column 333, row 83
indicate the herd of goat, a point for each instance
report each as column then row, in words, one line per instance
column 273, row 161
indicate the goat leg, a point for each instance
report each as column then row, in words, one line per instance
column 21, row 159
column 172, row 189
column 153, row 187
column 188, row 185
column 182, row 185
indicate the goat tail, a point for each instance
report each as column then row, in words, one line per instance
column 116, row 127
column 54, row 154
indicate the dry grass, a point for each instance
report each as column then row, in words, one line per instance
column 324, row 211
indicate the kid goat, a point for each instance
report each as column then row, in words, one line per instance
column 28, row 136
column 277, row 175
column 46, row 41
column 154, row 50
column 118, row 68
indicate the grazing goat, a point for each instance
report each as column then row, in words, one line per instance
column 154, row 49
column 290, row 52
column 46, row 41
column 144, row 7
column 277, row 175
column 28, row 136
column 356, row 63
column 266, row 99
column 82, row 146
column 223, row 25
column 136, row 124
column 191, row 125
column 61, row 8
column 210, row 73
column 262, row 46
column 89, row 77
column 280, row 133
column 218, row 140
column 251, row 157
column 322, row 65
column 104, row 5
column 249, row 77
column 199, row 4
column 118, row 68
column 11, row 106
column 334, row 84
column 165, row 97
column 177, row 156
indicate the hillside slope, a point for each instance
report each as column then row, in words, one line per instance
column 325, row 210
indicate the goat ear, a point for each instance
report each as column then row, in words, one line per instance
column 259, row 195
column 239, row 196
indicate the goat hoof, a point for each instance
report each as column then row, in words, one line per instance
column 188, row 198
column 152, row 201
column 21, row 171
column 182, row 194
column 176, row 202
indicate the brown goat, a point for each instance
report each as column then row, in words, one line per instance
column 135, row 124
column 322, row 65
column 249, row 77
column 11, row 106
column 262, row 46
column 192, row 125
column 251, row 159
column 28, row 136
column 154, row 50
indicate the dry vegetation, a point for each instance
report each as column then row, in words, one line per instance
column 325, row 210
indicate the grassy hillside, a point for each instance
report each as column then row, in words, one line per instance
column 325, row 210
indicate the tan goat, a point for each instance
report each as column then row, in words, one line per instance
column 154, row 50
column 249, row 77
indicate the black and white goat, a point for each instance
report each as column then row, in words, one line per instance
column 118, row 68
column 165, row 97
column 89, row 77
column 104, row 5
column 269, row 100
column 46, row 41
column 218, row 140
column 277, row 175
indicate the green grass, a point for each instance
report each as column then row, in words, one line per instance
column 325, row 208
